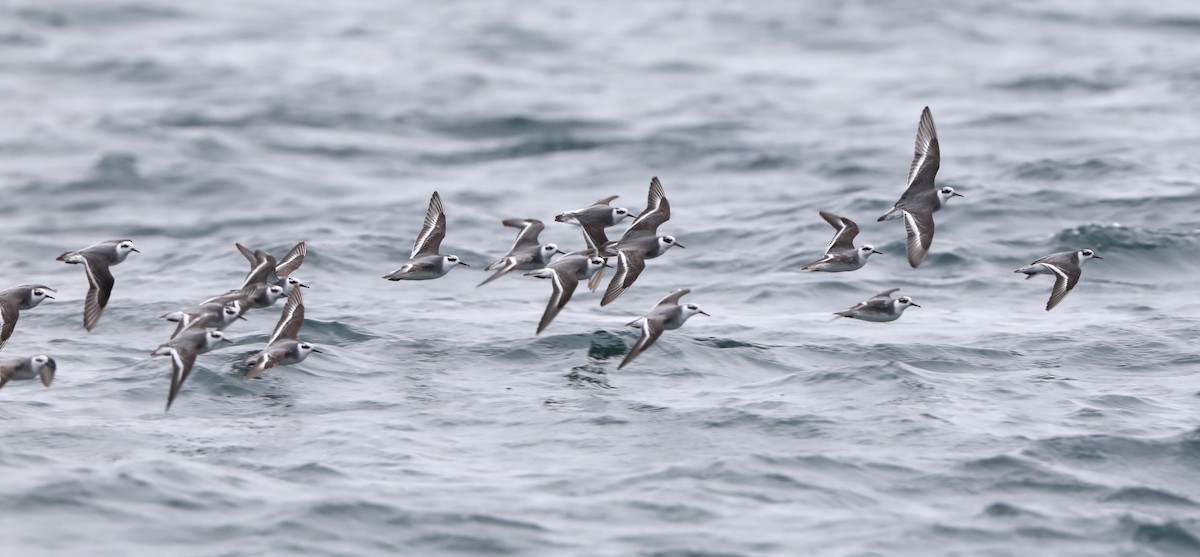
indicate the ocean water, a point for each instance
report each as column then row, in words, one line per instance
column 437, row 423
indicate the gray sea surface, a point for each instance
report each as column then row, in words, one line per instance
column 438, row 423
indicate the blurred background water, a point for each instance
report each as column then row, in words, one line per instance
column 439, row 424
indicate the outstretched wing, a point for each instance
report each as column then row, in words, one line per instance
column 10, row 310
column 846, row 232
column 100, row 285
column 292, row 261
column 651, row 330
column 429, row 241
column 672, row 299
column 263, row 271
column 290, row 321
column 182, row 359
column 919, row 224
column 248, row 254
column 926, row 159
column 528, row 236
column 564, row 287
column 630, row 264
column 1064, row 281
column 658, row 211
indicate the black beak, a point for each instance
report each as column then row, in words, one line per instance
column 50, row 297
column 135, row 250
column 242, row 318
column 317, row 351
column 1093, row 257
column 607, row 265
column 679, row 245
column 463, row 264
column 877, row 251
column 702, row 312
column 561, row 252
column 226, row 339
column 956, row 194
column 914, row 305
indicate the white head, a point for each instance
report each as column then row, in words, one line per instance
column 211, row 338
column 548, row 251
column 594, row 264
column 1086, row 254
column 291, row 284
column 231, row 311
column 903, row 302
column 619, row 213
column 37, row 295
column 667, row 242
column 692, row 309
column 946, row 192
column 452, row 261
column 866, row 250
column 45, row 367
column 275, row 292
column 304, row 349
column 124, row 249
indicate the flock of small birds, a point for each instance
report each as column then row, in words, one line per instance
column 200, row 328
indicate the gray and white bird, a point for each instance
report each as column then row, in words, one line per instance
column 921, row 198
column 841, row 255
column 426, row 263
column 251, row 295
column 264, row 266
column 183, row 350
column 639, row 243
column 15, row 299
column 667, row 315
column 880, row 308
column 96, row 260
column 1066, row 267
column 564, row 276
column 40, row 366
column 215, row 315
column 283, row 348
column 594, row 219
column 526, row 254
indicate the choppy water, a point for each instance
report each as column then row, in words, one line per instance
column 439, row 424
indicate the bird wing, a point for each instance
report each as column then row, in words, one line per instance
column 564, row 284
column 264, row 268
column 658, row 211
column 10, row 310
column 919, row 224
column 605, row 200
column 248, row 254
column 528, row 236
column 1064, row 281
column 926, row 159
column 267, row 359
column 290, row 321
column 182, row 358
column 429, row 241
column 191, row 321
column 630, row 264
column 672, row 299
column 505, row 266
column 651, row 330
column 847, row 230
column 100, row 285
column 292, row 261
column 8, row 370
